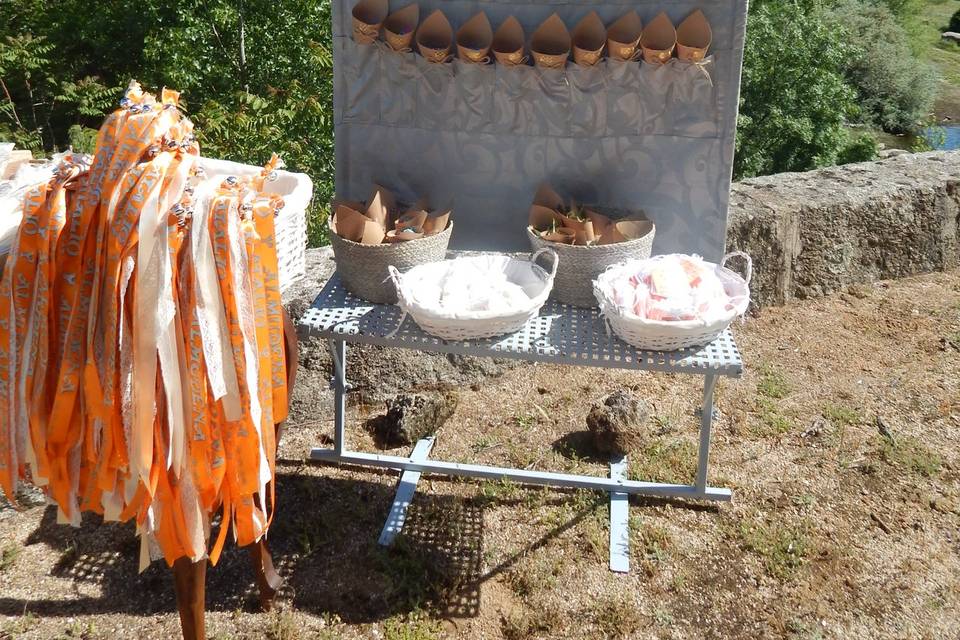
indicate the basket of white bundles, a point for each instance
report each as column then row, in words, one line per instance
column 296, row 189
column 672, row 301
column 474, row 297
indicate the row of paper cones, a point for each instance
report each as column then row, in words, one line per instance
column 556, row 221
column 379, row 219
column 550, row 44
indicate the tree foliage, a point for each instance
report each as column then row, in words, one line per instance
column 256, row 76
column 795, row 102
column 895, row 90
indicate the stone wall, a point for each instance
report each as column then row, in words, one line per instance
column 813, row 233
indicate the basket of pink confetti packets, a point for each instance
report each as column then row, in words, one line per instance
column 672, row 301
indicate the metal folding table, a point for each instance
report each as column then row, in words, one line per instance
column 560, row 334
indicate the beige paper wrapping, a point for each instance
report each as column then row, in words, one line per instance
column 368, row 16
column 380, row 207
column 508, row 43
column 412, row 220
column 601, row 223
column 353, row 225
column 561, row 235
column 623, row 36
column 474, row 39
column 589, row 39
column 400, row 235
column 435, row 224
column 625, row 230
column 399, row 27
column 659, row 40
column 435, row 37
column 542, row 218
column 550, row 44
column 694, row 37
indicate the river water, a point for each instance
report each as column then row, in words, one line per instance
column 945, row 137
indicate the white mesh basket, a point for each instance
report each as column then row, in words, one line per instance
column 660, row 335
column 470, row 325
column 291, row 221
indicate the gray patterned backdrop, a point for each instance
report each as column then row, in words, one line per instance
column 625, row 135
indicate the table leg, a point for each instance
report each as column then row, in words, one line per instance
column 189, row 580
column 706, row 422
column 338, row 351
column 619, row 520
column 405, row 490
column 268, row 580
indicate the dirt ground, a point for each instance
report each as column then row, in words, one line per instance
column 840, row 443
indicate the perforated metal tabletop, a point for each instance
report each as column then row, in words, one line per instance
column 561, row 334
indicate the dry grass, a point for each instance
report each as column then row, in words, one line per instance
column 846, row 479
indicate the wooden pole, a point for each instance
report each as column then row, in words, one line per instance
column 189, row 578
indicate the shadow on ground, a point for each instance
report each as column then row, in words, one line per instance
column 324, row 542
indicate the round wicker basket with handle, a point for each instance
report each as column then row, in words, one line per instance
column 660, row 335
column 581, row 264
column 363, row 267
column 467, row 324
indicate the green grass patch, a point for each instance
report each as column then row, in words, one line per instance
column 9, row 555
column 414, row 626
column 772, row 420
column 617, row 616
column 665, row 459
column 784, row 547
column 841, row 416
column 773, row 384
column 909, row 454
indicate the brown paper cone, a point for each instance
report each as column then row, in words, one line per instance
column 625, row 230
column 411, row 220
column 435, row 224
column 601, row 223
column 659, row 40
column 582, row 228
column 435, row 37
column 397, row 235
column 542, row 218
column 623, row 36
column 356, row 205
column 508, row 43
column 547, row 197
column 474, row 39
column 589, row 38
column 694, row 37
column 561, row 235
column 399, row 27
column 353, row 225
column 380, row 205
column 550, row 43
column 368, row 16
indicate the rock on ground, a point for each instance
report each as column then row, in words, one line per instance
column 412, row 416
column 618, row 425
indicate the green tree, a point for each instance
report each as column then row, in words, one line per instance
column 895, row 90
column 795, row 102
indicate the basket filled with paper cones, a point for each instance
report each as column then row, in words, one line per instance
column 588, row 240
column 367, row 237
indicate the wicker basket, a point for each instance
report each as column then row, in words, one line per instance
column 580, row 265
column 473, row 325
column 659, row 335
column 291, row 221
column 363, row 267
